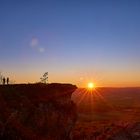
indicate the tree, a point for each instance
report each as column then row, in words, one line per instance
column 44, row 78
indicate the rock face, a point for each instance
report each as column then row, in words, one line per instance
column 37, row 111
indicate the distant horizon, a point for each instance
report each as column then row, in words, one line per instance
column 97, row 87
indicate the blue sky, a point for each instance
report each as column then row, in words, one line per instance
column 74, row 40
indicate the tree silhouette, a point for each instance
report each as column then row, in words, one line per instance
column 44, row 78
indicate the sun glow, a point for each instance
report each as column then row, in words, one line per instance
column 91, row 85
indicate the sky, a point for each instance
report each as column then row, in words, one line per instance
column 75, row 41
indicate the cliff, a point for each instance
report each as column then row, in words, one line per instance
column 36, row 111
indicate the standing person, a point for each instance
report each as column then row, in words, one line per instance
column 7, row 80
column 3, row 80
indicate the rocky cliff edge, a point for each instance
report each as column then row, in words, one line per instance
column 37, row 111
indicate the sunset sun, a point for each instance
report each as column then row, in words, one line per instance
column 91, row 85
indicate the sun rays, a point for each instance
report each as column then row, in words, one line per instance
column 92, row 96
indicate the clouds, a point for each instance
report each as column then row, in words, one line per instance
column 35, row 44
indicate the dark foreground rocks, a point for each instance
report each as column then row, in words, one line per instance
column 37, row 112
column 107, row 131
column 130, row 132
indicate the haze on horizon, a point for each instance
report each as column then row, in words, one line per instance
column 75, row 41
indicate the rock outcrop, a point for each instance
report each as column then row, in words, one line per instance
column 37, row 111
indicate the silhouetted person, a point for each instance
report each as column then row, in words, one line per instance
column 3, row 80
column 7, row 80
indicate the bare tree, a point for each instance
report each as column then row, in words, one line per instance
column 44, row 78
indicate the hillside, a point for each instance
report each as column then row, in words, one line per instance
column 107, row 114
